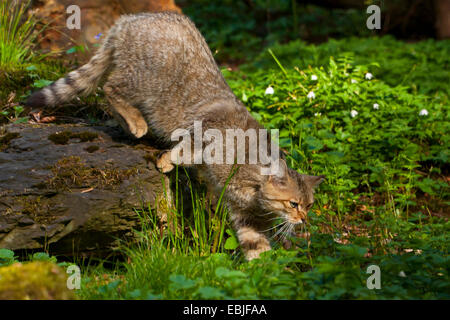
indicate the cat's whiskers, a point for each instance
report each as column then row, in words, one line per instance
column 275, row 218
column 285, row 231
column 289, row 232
column 267, row 213
column 278, row 225
column 282, row 229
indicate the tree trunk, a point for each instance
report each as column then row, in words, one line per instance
column 442, row 8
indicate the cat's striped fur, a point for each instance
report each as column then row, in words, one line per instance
column 160, row 75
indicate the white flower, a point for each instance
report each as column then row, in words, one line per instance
column 314, row 77
column 311, row 95
column 376, row 106
column 354, row 81
column 353, row 113
column 317, row 114
column 423, row 112
column 368, row 76
column 269, row 90
column 402, row 274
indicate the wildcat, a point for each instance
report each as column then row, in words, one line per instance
column 160, row 75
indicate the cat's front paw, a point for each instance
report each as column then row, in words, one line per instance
column 253, row 243
column 163, row 162
column 254, row 254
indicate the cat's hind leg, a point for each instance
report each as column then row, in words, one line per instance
column 129, row 117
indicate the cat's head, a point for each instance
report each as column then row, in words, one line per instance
column 289, row 194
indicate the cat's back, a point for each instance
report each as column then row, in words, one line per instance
column 157, row 50
column 160, row 35
column 155, row 25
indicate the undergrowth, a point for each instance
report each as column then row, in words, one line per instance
column 385, row 201
column 371, row 114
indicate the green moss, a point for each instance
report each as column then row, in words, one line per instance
column 12, row 81
column 72, row 172
column 34, row 281
column 85, row 136
column 20, row 80
column 6, row 139
column 60, row 137
column 40, row 185
column 65, row 136
column 36, row 207
column 92, row 149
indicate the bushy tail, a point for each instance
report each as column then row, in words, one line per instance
column 80, row 82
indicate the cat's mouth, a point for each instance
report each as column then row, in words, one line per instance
column 288, row 218
column 293, row 220
column 296, row 221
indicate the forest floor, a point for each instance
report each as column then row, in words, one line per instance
column 370, row 113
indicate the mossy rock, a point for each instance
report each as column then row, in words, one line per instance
column 6, row 139
column 78, row 197
column 64, row 136
column 34, row 281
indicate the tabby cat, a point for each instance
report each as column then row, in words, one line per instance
column 159, row 75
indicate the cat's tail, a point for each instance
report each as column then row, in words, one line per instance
column 80, row 82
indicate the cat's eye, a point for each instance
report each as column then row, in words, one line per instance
column 293, row 204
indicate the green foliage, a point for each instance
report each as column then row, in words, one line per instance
column 6, row 257
column 237, row 29
column 386, row 146
column 384, row 168
column 43, row 256
column 16, row 34
column 334, row 272
column 41, row 83
column 232, row 242
column 385, row 159
column 423, row 66
column 200, row 233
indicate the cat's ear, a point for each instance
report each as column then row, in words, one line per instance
column 280, row 176
column 313, row 181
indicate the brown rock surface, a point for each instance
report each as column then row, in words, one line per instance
column 71, row 188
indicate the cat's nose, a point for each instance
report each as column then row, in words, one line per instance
column 301, row 217
column 300, row 220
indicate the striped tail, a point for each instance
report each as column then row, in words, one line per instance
column 80, row 82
